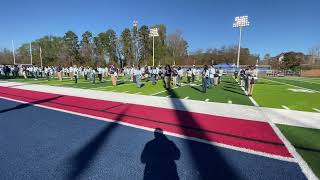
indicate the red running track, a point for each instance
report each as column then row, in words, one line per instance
column 253, row 135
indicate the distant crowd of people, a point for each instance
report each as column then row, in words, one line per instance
column 209, row 76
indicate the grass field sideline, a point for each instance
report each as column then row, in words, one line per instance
column 306, row 141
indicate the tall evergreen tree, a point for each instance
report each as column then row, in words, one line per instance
column 127, row 45
column 72, row 47
column 111, row 45
column 145, row 45
column 86, row 47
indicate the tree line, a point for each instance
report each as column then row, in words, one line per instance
column 132, row 46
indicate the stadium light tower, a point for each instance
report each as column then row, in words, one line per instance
column 153, row 33
column 240, row 22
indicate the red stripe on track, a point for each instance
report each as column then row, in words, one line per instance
column 254, row 135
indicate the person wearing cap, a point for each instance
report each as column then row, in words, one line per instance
column 153, row 75
column 138, row 75
column 167, row 76
column 59, row 72
column 114, row 75
column 100, row 73
column 252, row 77
column 220, row 73
column 180, row 75
column 189, row 75
column 75, row 73
column 212, row 72
column 174, row 76
column 205, row 78
column 194, row 72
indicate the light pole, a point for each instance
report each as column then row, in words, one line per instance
column 14, row 56
column 134, row 44
column 240, row 22
column 30, row 54
column 40, row 56
column 153, row 33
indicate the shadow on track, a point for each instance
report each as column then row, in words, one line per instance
column 85, row 156
column 159, row 156
column 21, row 106
column 208, row 161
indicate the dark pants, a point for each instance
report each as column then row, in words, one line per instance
column 85, row 77
column 179, row 79
column 75, row 79
column 100, row 77
column 153, row 79
column 193, row 77
column 204, row 84
column 93, row 78
column 189, row 79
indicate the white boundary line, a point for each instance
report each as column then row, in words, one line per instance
column 249, row 151
column 186, row 97
column 303, row 165
column 207, row 100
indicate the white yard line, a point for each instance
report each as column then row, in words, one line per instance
column 291, row 85
column 165, row 90
column 207, row 100
column 318, row 110
column 253, row 101
column 302, row 81
column 285, row 107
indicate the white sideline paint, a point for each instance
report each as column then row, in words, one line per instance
column 207, row 100
column 230, row 102
column 316, row 109
column 186, row 97
column 285, row 107
column 279, row 116
column 249, row 151
column 303, row 165
column 138, row 93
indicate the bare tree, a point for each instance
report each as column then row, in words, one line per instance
column 315, row 55
column 177, row 46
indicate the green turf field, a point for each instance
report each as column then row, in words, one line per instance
column 227, row 92
column 311, row 84
column 284, row 92
column 306, row 141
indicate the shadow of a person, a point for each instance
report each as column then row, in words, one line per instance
column 159, row 157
